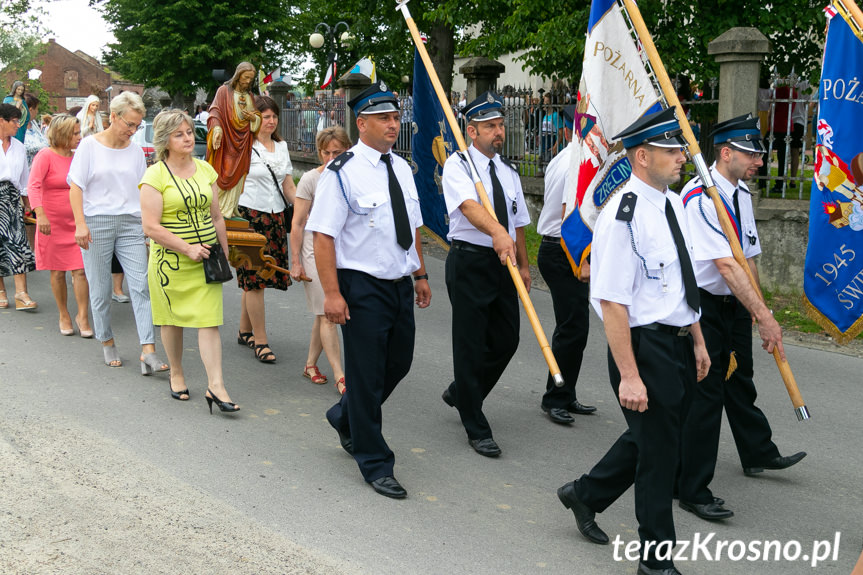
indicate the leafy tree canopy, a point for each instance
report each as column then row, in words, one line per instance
column 20, row 33
column 176, row 44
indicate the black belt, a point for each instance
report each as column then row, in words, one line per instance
column 551, row 240
column 472, row 248
column 397, row 280
column 718, row 298
column 672, row 329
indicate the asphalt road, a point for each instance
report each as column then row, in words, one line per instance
column 102, row 472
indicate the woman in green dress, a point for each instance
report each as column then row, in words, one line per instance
column 180, row 213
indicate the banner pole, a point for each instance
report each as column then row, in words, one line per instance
column 670, row 94
column 483, row 196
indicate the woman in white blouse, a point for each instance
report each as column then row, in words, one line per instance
column 90, row 117
column 16, row 257
column 268, row 191
column 103, row 180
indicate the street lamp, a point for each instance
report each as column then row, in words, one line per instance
column 333, row 40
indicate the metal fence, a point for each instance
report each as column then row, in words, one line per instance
column 787, row 111
column 534, row 129
column 302, row 119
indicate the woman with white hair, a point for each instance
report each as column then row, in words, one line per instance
column 103, row 181
column 180, row 212
column 90, row 117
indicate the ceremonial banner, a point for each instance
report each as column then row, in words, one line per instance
column 615, row 90
column 366, row 67
column 833, row 273
column 431, row 145
column 331, row 73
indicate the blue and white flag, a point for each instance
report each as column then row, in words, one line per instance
column 432, row 144
column 615, row 90
column 833, row 273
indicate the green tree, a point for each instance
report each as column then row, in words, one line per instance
column 176, row 44
column 20, row 33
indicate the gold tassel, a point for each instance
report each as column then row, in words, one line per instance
column 732, row 365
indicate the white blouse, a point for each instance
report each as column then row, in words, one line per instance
column 13, row 165
column 260, row 192
column 109, row 178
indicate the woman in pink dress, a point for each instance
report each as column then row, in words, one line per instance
column 56, row 249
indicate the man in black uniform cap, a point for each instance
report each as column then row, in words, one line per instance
column 727, row 299
column 367, row 244
column 484, row 301
column 643, row 287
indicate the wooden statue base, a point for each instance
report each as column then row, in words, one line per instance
column 246, row 249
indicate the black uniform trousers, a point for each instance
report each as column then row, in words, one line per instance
column 570, row 299
column 379, row 348
column 727, row 326
column 485, row 325
column 647, row 452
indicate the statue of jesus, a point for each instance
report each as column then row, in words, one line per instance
column 232, row 126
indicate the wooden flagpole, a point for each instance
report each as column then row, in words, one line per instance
column 854, row 11
column 701, row 167
column 483, row 196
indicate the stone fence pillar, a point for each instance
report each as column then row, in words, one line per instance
column 353, row 83
column 481, row 75
column 739, row 53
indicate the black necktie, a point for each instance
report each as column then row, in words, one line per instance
column 737, row 213
column 400, row 212
column 692, row 297
column 499, row 200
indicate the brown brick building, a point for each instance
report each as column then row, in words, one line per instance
column 69, row 77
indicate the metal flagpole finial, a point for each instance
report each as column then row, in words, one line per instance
column 402, row 4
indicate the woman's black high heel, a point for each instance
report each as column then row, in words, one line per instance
column 223, row 405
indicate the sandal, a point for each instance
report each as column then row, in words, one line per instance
column 112, row 356
column 340, row 386
column 312, row 372
column 150, row 364
column 246, row 338
column 23, row 301
column 178, row 394
column 265, row 356
column 4, row 300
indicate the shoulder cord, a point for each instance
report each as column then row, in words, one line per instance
column 275, row 180
column 704, row 216
column 345, row 196
column 635, row 251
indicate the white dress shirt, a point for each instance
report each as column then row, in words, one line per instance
column 355, row 210
column 458, row 186
column 710, row 242
column 13, row 165
column 260, row 192
column 620, row 275
column 556, row 174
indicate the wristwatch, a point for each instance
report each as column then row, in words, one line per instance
column 421, row 277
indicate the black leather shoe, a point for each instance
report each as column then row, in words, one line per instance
column 347, row 442
column 584, row 516
column 558, row 414
column 447, row 398
column 716, row 500
column 710, row 511
column 645, row 570
column 778, row 462
column 486, row 446
column 389, row 487
column 581, row 409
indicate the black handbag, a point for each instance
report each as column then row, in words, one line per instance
column 289, row 208
column 217, row 270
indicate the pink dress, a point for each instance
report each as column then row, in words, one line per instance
column 48, row 188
